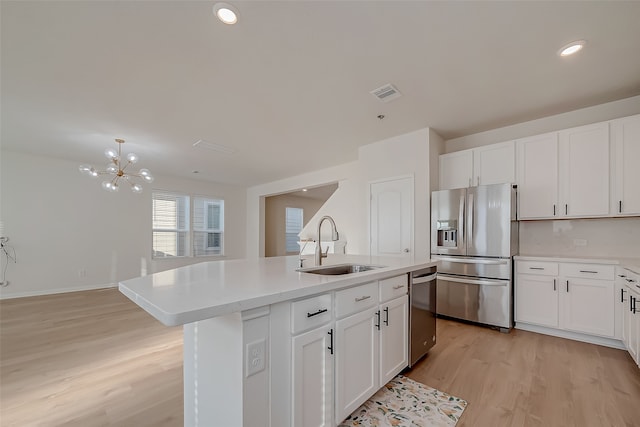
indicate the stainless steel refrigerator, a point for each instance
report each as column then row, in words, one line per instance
column 474, row 234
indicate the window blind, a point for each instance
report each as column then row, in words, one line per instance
column 170, row 223
column 293, row 227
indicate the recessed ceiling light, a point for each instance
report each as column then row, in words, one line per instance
column 571, row 48
column 226, row 13
column 304, row 189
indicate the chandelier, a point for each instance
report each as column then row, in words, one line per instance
column 116, row 170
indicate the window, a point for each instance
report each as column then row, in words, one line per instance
column 170, row 225
column 293, row 227
column 174, row 227
column 208, row 217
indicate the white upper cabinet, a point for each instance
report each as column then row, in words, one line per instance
column 564, row 174
column 490, row 164
column 494, row 164
column 456, row 169
column 538, row 176
column 626, row 147
column 584, row 171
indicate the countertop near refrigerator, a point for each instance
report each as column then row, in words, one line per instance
column 632, row 264
column 210, row 289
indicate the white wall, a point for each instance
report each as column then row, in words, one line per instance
column 402, row 155
column 584, row 116
column 606, row 237
column 69, row 234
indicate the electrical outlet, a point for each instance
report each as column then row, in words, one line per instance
column 255, row 356
column 579, row 242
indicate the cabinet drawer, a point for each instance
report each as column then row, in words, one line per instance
column 356, row 299
column 310, row 313
column 542, row 268
column 393, row 287
column 588, row 271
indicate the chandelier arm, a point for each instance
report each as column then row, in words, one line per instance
column 125, row 166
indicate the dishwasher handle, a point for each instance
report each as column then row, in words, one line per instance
column 423, row 279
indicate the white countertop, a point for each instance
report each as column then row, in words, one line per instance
column 209, row 289
column 632, row 264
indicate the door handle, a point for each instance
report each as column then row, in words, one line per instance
column 378, row 316
column 330, row 348
column 386, row 316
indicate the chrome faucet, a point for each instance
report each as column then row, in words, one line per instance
column 334, row 237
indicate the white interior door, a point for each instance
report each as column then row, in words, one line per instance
column 391, row 217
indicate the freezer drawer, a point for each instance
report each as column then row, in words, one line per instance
column 485, row 301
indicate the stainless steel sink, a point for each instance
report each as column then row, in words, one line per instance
column 334, row 270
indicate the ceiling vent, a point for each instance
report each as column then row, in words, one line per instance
column 386, row 93
column 201, row 143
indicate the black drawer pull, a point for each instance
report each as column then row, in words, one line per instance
column 536, row 268
column 322, row 310
column 588, row 271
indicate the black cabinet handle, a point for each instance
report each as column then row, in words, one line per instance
column 378, row 315
column 622, row 291
column 566, row 209
column 620, row 206
column 554, row 210
column 554, row 284
column 567, row 286
column 322, row 310
column 386, row 316
column 330, row 348
column 588, row 271
column 536, row 268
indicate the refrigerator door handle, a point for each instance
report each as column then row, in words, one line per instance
column 474, row 261
column 461, row 236
column 470, row 215
column 486, row 282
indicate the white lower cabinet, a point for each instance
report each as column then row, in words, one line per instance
column 537, row 300
column 333, row 351
column 357, row 361
column 633, row 321
column 394, row 338
column 566, row 296
column 313, row 378
column 629, row 304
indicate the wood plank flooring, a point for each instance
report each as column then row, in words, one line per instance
column 528, row 379
column 95, row 359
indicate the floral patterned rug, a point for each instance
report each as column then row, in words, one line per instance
column 403, row 402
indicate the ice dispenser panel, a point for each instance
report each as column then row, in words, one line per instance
column 447, row 233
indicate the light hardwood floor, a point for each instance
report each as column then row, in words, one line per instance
column 95, row 359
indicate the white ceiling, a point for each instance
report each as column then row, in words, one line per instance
column 288, row 87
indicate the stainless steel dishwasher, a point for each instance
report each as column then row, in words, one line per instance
column 422, row 316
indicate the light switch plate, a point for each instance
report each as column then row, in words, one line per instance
column 255, row 356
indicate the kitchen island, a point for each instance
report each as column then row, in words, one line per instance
column 242, row 319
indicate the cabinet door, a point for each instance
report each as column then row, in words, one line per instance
column 494, row 164
column 584, row 171
column 634, row 326
column 456, row 169
column 626, row 140
column 587, row 306
column 357, row 359
column 537, row 300
column 313, row 378
column 538, row 176
column 394, row 338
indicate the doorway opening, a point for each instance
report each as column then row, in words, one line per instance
column 278, row 232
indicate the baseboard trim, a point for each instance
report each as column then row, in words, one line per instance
column 55, row 291
column 591, row 339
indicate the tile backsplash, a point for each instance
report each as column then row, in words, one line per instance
column 601, row 237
